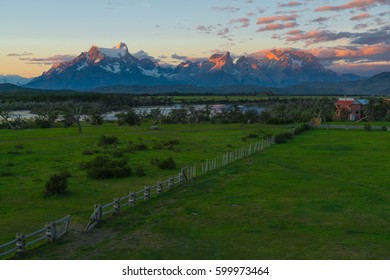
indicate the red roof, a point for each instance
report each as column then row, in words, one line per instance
column 344, row 102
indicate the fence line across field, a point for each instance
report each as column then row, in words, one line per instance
column 187, row 173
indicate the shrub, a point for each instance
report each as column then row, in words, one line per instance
column 172, row 142
column 87, row 152
column 250, row 136
column 167, row 163
column 57, row 184
column 103, row 167
column 141, row 147
column 158, row 146
column 140, row 171
column 367, row 127
column 108, row 140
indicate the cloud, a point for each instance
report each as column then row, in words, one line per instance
column 321, row 19
column 294, row 32
column 20, row 54
column 243, row 21
column 361, row 68
column 265, row 20
column 289, row 4
column 360, row 16
column 355, row 4
column 179, row 57
column 141, row 54
column 360, row 26
column 371, row 53
column 372, row 37
column 260, row 10
column 318, row 36
column 206, row 29
column 223, row 31
column 229, row 9
column 48, row 60
column 277, row 26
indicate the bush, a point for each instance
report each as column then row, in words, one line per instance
column 168, row 163
column 140, row 171
column 250, row 136
column 108, row 140
column 158, row 146
column 87, row 152
column 141, row 147
column 103, row 167
column 172, row 142
column 57, row 184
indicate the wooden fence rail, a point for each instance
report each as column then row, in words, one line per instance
column 186, row 174
column 51, row 232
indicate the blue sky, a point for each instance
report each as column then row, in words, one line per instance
column 347, row 35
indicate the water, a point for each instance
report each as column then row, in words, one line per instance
column 144, row 110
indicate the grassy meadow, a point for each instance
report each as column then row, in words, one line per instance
column 322, row 195
column 29, row 157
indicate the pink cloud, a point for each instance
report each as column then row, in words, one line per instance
column 265, row 20
column 295, row 32
column 243, row 21
column 290, row 4
column 317, row 36
column 361, row 16
column 277, row 26
column 359, row 4
column 363, row 52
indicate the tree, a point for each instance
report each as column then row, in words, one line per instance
column 96, row 114
column 130, row 117
column 5, row 114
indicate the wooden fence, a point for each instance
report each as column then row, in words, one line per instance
column 186, row 174
column 51, row 232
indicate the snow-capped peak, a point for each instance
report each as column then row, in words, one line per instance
column 120, row 50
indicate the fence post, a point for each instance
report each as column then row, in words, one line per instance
column 146, row 192
column 20, row 243
column 171, row 183
column 51, row 231
column 159, row 188
column 132, row 199
column 116, row 206
column 98, row 213
column 202, row 169
column 181, row 177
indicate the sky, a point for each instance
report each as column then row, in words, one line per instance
column 346, row 35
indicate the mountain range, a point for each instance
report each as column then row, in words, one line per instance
column 14, row 79
column 111, row 67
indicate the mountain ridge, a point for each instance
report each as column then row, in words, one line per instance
column 105, row 67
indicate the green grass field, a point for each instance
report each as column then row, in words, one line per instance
column 29, row 157
column 322, row 195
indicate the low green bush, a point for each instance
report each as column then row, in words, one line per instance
column 104, row 167
column 57, row 184
column 167, row 163
column 108, row 140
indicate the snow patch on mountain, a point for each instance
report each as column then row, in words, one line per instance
column 118, row 51
column 82, row 66
column 151, row 73
column 113, row 68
